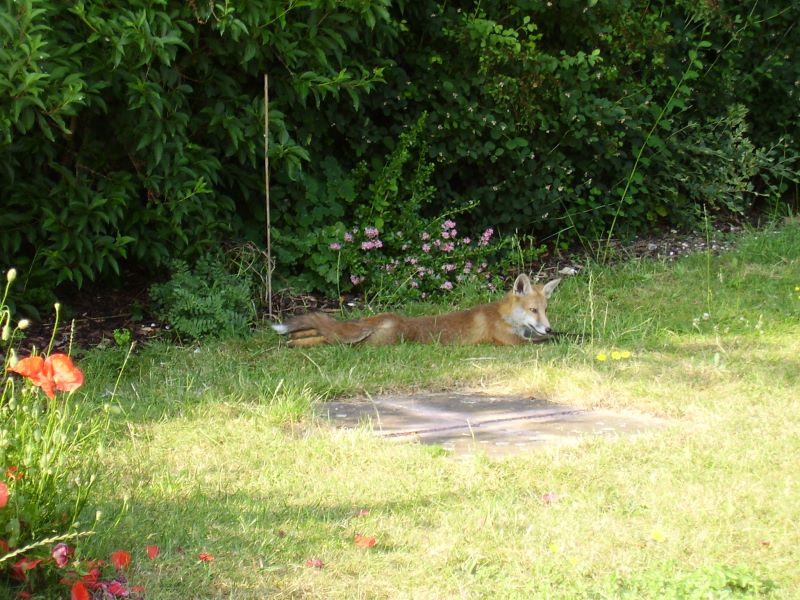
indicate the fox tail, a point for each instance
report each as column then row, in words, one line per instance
column 318, row 328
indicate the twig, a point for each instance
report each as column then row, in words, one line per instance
column 266, row 196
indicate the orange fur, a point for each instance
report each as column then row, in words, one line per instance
column 521, row 316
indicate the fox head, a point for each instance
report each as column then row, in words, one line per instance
column 528, row 314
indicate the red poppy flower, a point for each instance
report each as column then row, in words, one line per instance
column 23, row 594
column 79, row 592
column 120, row 559
column 205, row 557
column 20, row 568
column 152, row 551
column 4, row 547
column 56, row 372
column 61, row 553
column 362, row 541
column 90, row 579
column 3, row 494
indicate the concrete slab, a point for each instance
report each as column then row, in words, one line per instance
column 496, row 425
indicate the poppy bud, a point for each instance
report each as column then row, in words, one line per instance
column 11, row 275
column 6, row 335
column 23, row 324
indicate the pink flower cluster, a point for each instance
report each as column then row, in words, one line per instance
column 371, row 244
column 485, row 237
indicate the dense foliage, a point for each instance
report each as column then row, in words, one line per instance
column 131, row 132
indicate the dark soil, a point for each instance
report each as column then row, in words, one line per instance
column 91, row 315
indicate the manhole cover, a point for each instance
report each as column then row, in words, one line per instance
column 496, row 425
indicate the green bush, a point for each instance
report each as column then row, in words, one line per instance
column 132, row 132
column 206, row 301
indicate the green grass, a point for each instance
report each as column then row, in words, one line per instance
column 214, row 451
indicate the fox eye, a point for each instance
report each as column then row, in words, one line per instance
column 535, row 311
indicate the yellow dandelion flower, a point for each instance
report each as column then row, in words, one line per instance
column 602, row 357
column 616, row 355
column 625, row 354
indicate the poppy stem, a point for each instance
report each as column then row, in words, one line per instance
column 57, row 306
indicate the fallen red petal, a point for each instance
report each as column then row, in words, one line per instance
column 363, row 541
column 315, row 562
column 550, row 497
column 120, row 559
column 363, row 512
column 152, row 551
column 205, row 556
column 3, row 494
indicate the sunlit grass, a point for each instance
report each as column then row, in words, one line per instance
column 215, row 451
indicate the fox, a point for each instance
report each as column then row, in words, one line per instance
column 520, row 317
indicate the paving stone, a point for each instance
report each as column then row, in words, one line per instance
column 495, row 425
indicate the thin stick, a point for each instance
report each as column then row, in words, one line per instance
column 266, row 196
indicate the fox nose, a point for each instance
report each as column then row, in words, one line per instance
column 548, row 330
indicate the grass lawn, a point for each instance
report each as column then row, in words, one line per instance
column 214, row 450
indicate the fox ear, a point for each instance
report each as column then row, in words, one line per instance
column 549, row 287
column 522, row 285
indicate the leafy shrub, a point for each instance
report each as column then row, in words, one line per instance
column 132, row 132
column 204, row 301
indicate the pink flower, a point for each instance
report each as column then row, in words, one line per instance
column 449, row 267
column 487, row 235
column 446, row 286
column 61, row 553
column 371, row 232
column 115, row 588
column 335, row 246
column 467, row 266
column 355, row 279
column 426, row 248
column 448, row 247
column 413, row 283
column 348, row 237
column 446, row 234
column 425, row 236
column 466, row 241
column 448, row 224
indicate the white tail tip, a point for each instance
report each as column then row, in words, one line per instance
column 280, row 328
